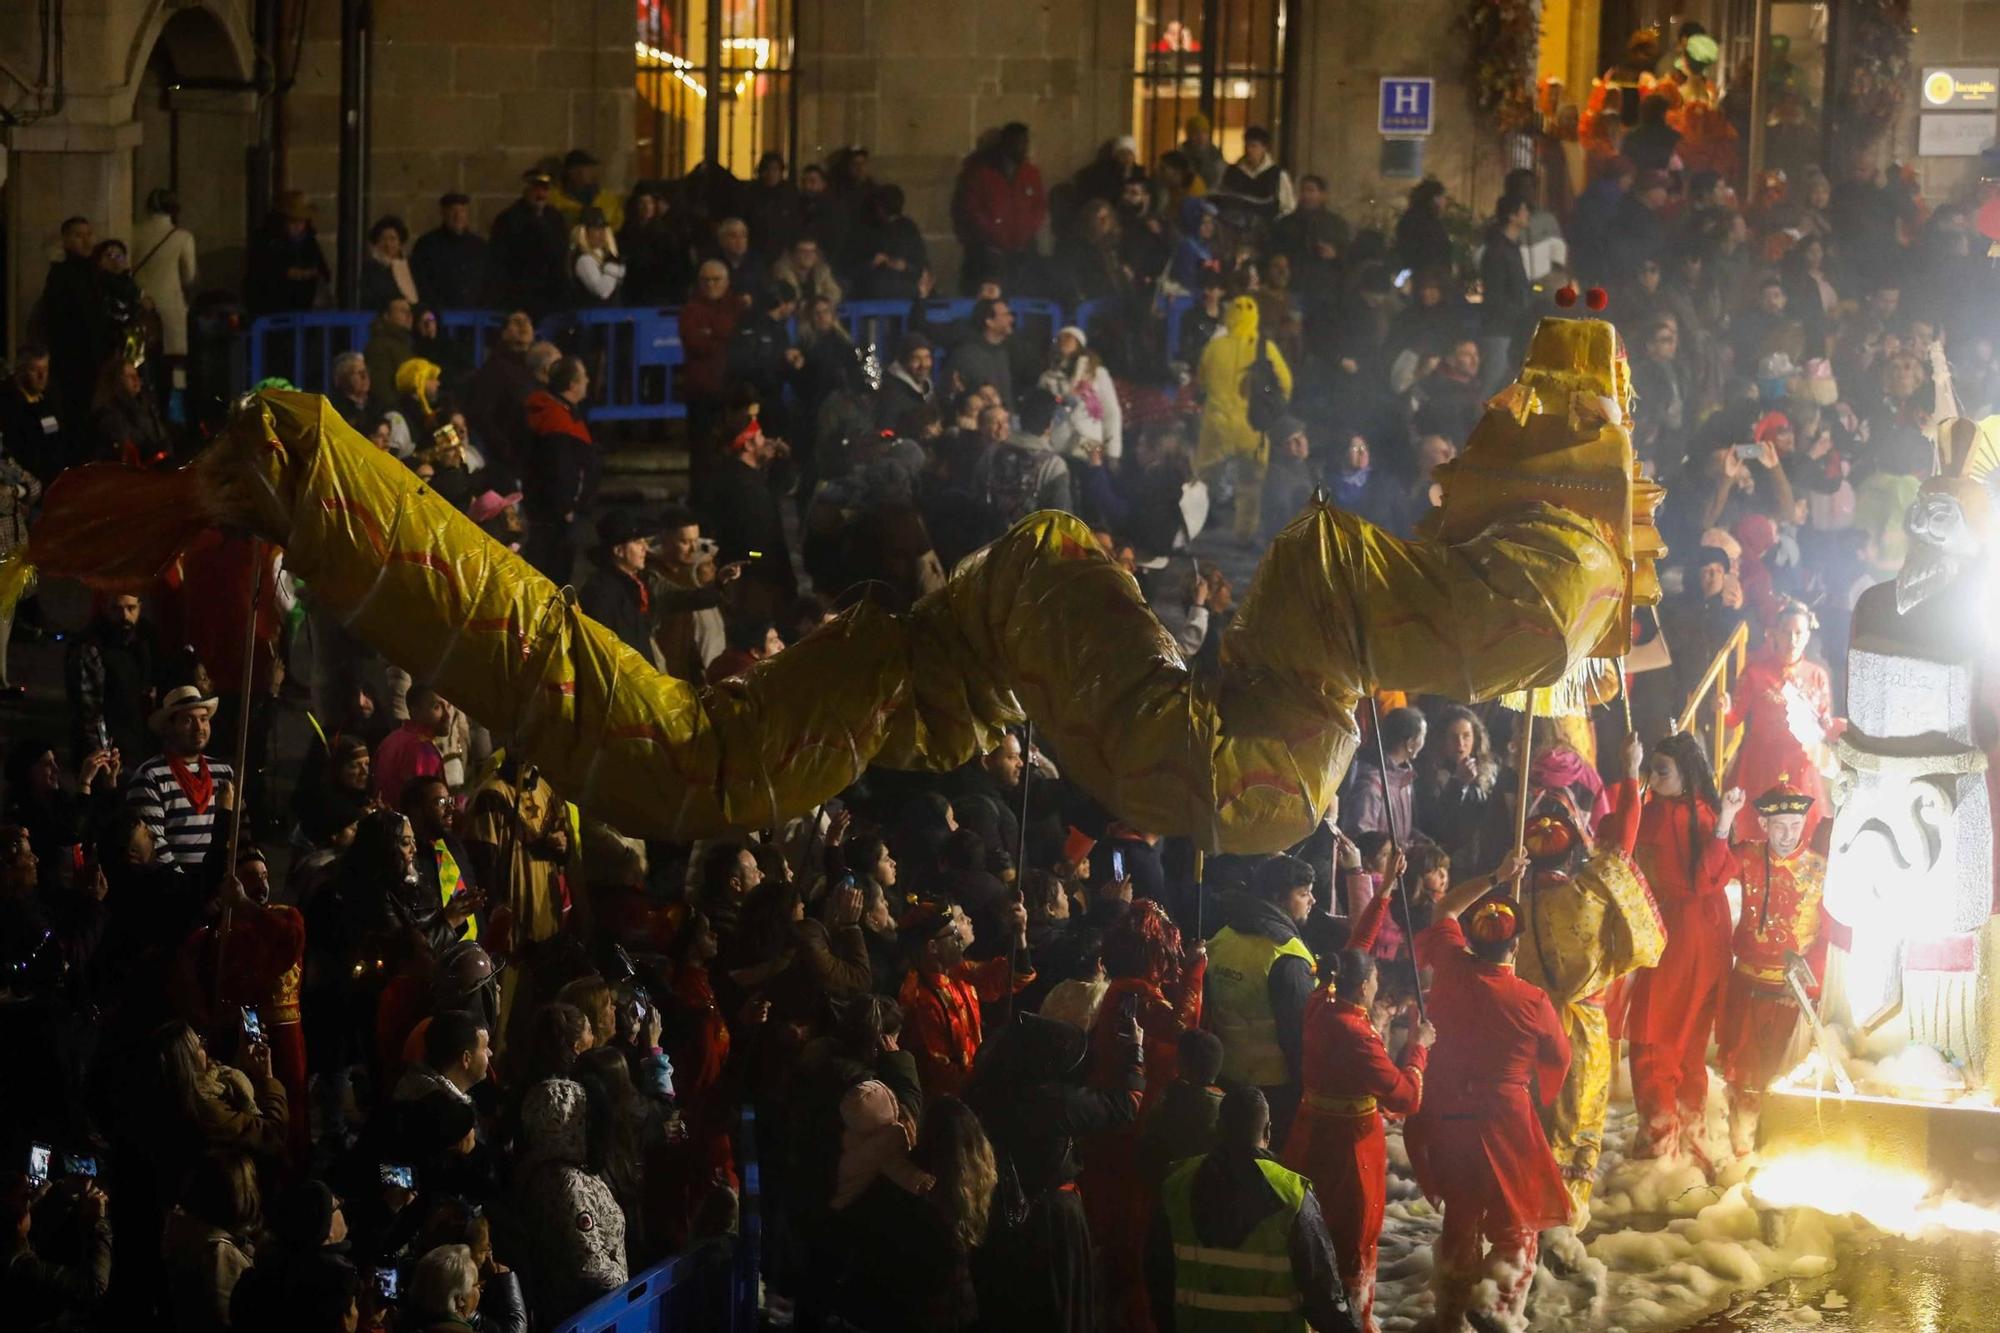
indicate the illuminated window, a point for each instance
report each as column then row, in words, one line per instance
column 1223, row 58
column 716, row 83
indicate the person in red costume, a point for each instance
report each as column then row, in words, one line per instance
column 706, row 1158
column 942, row 993
column 1144, row 959
column 1783, row 879
column 1785, row 704
column 1337, row 1141
column 1684, row 854
column 1476, row 1144
column 261, row 959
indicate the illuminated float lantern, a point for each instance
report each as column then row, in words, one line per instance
column 1911, row 977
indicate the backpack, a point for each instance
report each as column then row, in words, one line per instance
column 1263, row 392
column 1013, row 482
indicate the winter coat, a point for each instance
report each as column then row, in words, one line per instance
column 569, row 1217
column 163, row 264
column 706, row 328
column 1087, row 408
column 562, row 466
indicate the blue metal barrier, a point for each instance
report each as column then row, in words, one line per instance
column 712, row 1289
column 631, row 354
column 1037, row 320
column 877, row 324
column 301, row 347
column 689, row 1293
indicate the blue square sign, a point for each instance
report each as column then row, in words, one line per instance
column 1406, row 106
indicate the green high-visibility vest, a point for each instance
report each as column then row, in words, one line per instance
column 1238, row 1004
column 450, row 880
column 1248, row 1288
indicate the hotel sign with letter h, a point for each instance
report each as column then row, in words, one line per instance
column 1406, row 106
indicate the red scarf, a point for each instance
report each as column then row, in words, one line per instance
column 197, row 788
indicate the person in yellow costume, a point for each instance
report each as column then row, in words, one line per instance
column 1226, row 433
column 1587, row 919
column 1543, row 544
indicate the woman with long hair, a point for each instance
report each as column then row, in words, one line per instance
column 213, row 1105
column 1088, row 417
column 625, row 1131
column 1683, row 849
column 924, row 1281
column 596, row 272
column 1456, row 778
column 125, row 417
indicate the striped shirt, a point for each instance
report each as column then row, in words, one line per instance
column 180, row 832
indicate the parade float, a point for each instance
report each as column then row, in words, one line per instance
column 1531, row 567
column 1896, row 1105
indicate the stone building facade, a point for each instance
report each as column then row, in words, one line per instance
column 467, row 93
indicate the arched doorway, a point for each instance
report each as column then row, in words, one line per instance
column 195, row 134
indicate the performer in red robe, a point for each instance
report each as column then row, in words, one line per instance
column 261, row 963
column 706, row 1158
column 1337, row 1141
column 1672, row 1006
column 1142, row 956
column 1783, row 880
column 1476, row 1144
column 1785, row 704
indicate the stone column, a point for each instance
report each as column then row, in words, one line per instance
column 56, row 171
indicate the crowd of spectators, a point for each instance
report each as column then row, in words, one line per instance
column 445, row 1051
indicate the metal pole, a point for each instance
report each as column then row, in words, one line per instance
column 242, row 755
column 1527, row 754
column 711, row 106
column 1759, row 107
column 356, row 22
column 1395, row 849
column 1020, row 862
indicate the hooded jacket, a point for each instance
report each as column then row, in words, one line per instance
column 1291, row 979
column 569, row 1216
column 1225, row 362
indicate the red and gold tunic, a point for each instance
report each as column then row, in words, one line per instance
column 1781, row 915
column 1337, row 1140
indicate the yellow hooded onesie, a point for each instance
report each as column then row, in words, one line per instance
column 1226, row 431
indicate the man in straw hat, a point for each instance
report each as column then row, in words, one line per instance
column 179, row 791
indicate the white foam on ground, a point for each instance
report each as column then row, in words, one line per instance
column 1669, row 1247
